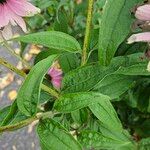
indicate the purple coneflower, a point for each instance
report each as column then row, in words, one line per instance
column 56, row 75
column 142, row 13
column 11, row 13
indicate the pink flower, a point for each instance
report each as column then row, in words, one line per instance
column 143, row 13
column 11, row 13
column 56, row 75
column 140, row 37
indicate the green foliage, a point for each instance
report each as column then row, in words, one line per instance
column 74, row 101
column 28, row 98
column 54, row 40
column 114, row 27
column 53, row 136
column 104, row 104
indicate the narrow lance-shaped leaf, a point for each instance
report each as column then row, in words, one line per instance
column 114, row 85
column 29, row 93
column 54, row 40
column 107, row 115
column 114, row 27
column 55, row 137
column 74, row 101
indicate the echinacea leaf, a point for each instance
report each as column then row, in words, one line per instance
column 29, row 93
column 53, row 39
column 53, row 136
column 114, row 27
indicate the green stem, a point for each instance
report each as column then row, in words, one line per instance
column 10, row 50
column 49, row 90
column 12, row 68
column 26, row 122
column 22, row 74
column 18, row 125
column 87, row 32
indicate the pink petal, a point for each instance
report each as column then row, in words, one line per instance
column 143, row 13
column 57, row 83
column 22, row 8
column 140, row 37
column 53, row 72
column 4, row 19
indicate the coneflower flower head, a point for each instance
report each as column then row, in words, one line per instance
column 12, row 13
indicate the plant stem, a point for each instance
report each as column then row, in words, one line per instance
column 87, row 32
column 49, row 90
column 18, row 125
column 10, row 50
column 12, row 68
column 22, row 74
column 26, row 122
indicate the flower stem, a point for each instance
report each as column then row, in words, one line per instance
column 87, row 32
column 11, row 67
column 22, row 74
column 11, row 51
column 26, row 122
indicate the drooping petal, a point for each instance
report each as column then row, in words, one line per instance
column 57, row 83
column 143, row 13
column 53, row 72
column 14, row 19
column 4, row 19
column 56, row 75
column 140, row 37
column 22, row 8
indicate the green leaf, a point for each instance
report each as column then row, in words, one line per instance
column 11, row 115
column 44, row 54
column 95, row 140
column 82, row 79
column 138, row 69
column 61, row 23
column 74, row 101
column 114, row 27
column 4, row 112
column 68, row 62
column 53, row 136
column 29, row 94
column 13, row 110
column 107, row 115
column 144, row 144
column 53, row 39
column 114, row 85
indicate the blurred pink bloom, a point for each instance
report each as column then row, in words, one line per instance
column 11, row 13
column 143, row 13
column 140, row 37
column 56, row 75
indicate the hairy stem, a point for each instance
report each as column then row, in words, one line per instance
column 26, row 122
column 22, row 74
column 11, row 67
column 87, row 32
